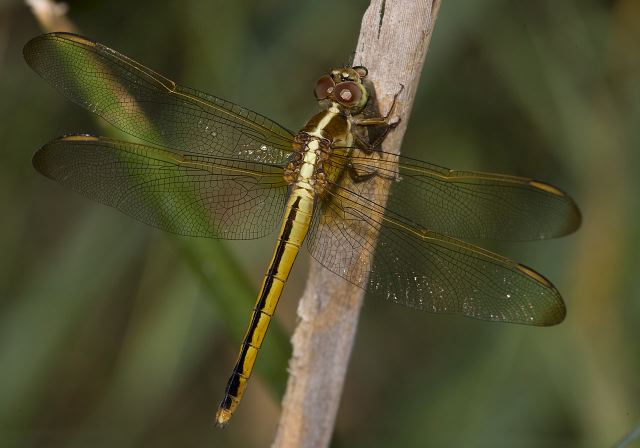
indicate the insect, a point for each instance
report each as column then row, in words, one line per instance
column 211, row 168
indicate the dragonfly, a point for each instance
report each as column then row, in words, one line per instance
column 211, row 168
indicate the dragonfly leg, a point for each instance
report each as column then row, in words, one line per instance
column 387, row 122
column 370, row 146
column 389, row 119
column 357, row 177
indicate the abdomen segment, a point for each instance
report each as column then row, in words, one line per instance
column 292, row 234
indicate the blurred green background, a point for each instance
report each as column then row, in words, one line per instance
column 115, row 334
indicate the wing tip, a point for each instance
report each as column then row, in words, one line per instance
column 554, row 316
column 557, row 317
column 577, row 214
column 574, row 216
column 556, row 313
column 30, row 49
column 39, row 158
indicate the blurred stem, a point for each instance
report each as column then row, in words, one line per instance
column 633, row 435
column 51, row 16
column 393, row 42
column 224, row 279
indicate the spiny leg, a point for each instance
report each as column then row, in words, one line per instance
column 387, row 122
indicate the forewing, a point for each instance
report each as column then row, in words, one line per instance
column 151, row 107
column 466, row 204
column 187, row 194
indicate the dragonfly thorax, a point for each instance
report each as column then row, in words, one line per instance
column 306, row 167
column 312, row 147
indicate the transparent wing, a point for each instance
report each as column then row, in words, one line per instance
column 419, row 268
column 151, row 107
column 187, row 194
column 466, row 204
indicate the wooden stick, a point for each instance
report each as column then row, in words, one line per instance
column 51, row 16
column 393, row 43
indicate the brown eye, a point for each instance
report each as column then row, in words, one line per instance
column 347, row 92
column 324, row 87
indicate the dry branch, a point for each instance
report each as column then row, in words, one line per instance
column 393, row 42
column 51, row 16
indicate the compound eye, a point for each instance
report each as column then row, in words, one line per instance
column 347, row 93
column 324, row 87
column 361, row 71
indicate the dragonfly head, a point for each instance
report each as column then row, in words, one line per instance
column 343, row 87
